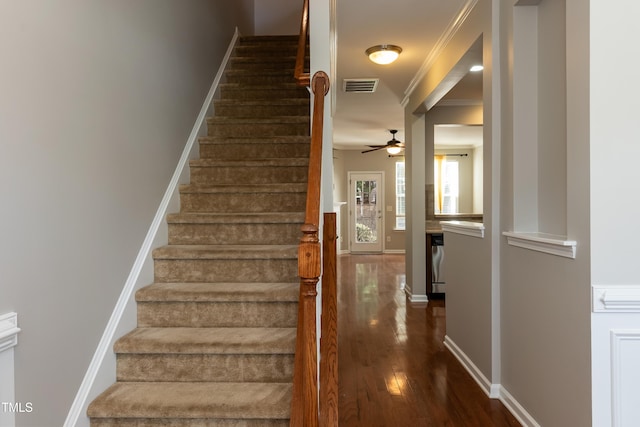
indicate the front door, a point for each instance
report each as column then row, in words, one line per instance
column 365, row 212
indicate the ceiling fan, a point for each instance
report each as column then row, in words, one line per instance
column 393, row 146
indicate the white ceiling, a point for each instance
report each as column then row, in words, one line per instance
column 363, row 119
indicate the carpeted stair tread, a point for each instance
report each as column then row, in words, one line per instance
column 239, row 189
column 292, row 162
column 193, row 400
column 258, row 120
column 275, row 101
column 239, row 218
column 208, row 341
column 222, row 292
column 223, row 307
column 226, row 252
column 277, row 139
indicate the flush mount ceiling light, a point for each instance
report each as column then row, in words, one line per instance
column 476, row 68
column 384, row 53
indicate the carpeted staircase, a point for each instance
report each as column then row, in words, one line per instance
column 216, row 331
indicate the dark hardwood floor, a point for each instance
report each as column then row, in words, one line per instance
column 393, row 367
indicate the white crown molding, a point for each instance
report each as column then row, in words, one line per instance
column 8, row 331
column 467, row 228
column 442, row 42
column 542, row 242
column 80, row 402
column 616, row 299
column 459, row 103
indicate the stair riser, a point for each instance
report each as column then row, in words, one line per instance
column 205, row 367
column 266, row 51
column 186, row 422
column 260, row 270
column 252, row 77
column 234, row 234
column 266, row 110
column 217, row 314
column 221, row 129
column 253, row 151
column 248, row 203
column 263, row 92
column 241, row 63
column 248, row 175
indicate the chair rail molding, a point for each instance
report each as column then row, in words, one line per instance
column 616, row 298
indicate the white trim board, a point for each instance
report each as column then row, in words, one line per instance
column 542, row 242
column 8, row 339
column 474, row 371
column 466, row 228
column 8, row 331
column 516, row 409
column 494, row 391
column 144, row 260
column 616, row 299
column 440, row 45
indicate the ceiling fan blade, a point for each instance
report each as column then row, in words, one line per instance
column 376, row 146
column 373, row 149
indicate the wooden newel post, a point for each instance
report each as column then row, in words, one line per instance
column 309, row 271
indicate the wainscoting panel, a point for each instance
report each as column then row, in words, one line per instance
column 8, row 339
column 615, row 352
column 625, row 377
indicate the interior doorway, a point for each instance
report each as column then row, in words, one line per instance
column 366, row 212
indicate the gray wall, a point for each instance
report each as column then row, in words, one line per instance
column 354, row 161
column 277, row 17
column 470, row 326
column 545, row 315
column 98, row 99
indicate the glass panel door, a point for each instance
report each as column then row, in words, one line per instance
column 366, row 211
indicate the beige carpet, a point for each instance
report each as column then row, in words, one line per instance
column 216, row 330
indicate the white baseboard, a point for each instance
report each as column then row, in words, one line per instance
column 494, row 391
column 76, row 416
column 516, row 409
column 473, row 370
column 415, row 299
column 394, row 251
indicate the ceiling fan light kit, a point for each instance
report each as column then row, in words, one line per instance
column 383, row 53
column 394, row 150
column 393, row 146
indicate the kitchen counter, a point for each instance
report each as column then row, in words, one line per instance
column 432, row 226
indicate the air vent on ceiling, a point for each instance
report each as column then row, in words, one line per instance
column 360, row 85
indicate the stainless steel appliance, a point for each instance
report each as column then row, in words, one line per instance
column 437, row 263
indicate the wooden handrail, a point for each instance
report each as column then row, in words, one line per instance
column 301, row 77
column 304, row 404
